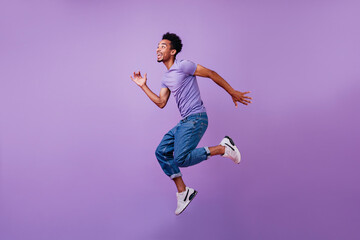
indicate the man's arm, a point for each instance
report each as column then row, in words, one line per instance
column 160, row 100
column 235, row 95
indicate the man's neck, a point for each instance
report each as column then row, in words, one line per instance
column 169, row 63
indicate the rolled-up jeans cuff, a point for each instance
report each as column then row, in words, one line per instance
column 176, row 175
column 207, row 152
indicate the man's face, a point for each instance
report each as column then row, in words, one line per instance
column 164, row 51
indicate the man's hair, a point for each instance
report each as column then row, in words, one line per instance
column 174, row 40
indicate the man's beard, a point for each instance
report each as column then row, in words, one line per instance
column 159, row 61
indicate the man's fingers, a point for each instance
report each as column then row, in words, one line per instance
column 236, row 105
column 246, row 101
column 243, row 101
column 247, row 92
column 247, row 97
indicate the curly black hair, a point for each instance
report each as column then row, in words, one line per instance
column 174, row 40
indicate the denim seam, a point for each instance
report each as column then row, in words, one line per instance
column 207, row 152
column 176, row 175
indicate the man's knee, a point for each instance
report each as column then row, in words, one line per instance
column 158, row 153
column 162, row 153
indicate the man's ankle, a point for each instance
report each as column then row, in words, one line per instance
column 180, row 190
column 217, row 150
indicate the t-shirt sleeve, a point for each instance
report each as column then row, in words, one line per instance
column 188, row 67
column 163, row 85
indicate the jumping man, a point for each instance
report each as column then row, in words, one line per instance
column 178, row 146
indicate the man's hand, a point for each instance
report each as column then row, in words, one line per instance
column 138, row 79
column 161, row 100
column 240, row 97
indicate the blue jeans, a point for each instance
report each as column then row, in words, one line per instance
column 177, row 148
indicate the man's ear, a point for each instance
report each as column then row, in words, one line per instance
column 173, row 52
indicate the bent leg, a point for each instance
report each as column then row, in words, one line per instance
column 187, row 137
column 165, row 155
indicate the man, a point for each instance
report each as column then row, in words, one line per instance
column 178, row 146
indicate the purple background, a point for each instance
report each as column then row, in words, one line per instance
column 78, row 137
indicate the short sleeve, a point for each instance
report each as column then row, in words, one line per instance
column 163, row 85
column 188, row 67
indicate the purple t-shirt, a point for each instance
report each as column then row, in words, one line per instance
column 182, row 83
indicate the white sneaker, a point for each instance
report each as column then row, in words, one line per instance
column 184, row 198
column 231, row 151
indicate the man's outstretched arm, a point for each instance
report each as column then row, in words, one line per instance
column 235, row 95
column 160, row 100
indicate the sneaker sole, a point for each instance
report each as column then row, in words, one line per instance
column 236, row 149
column 191, row 197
